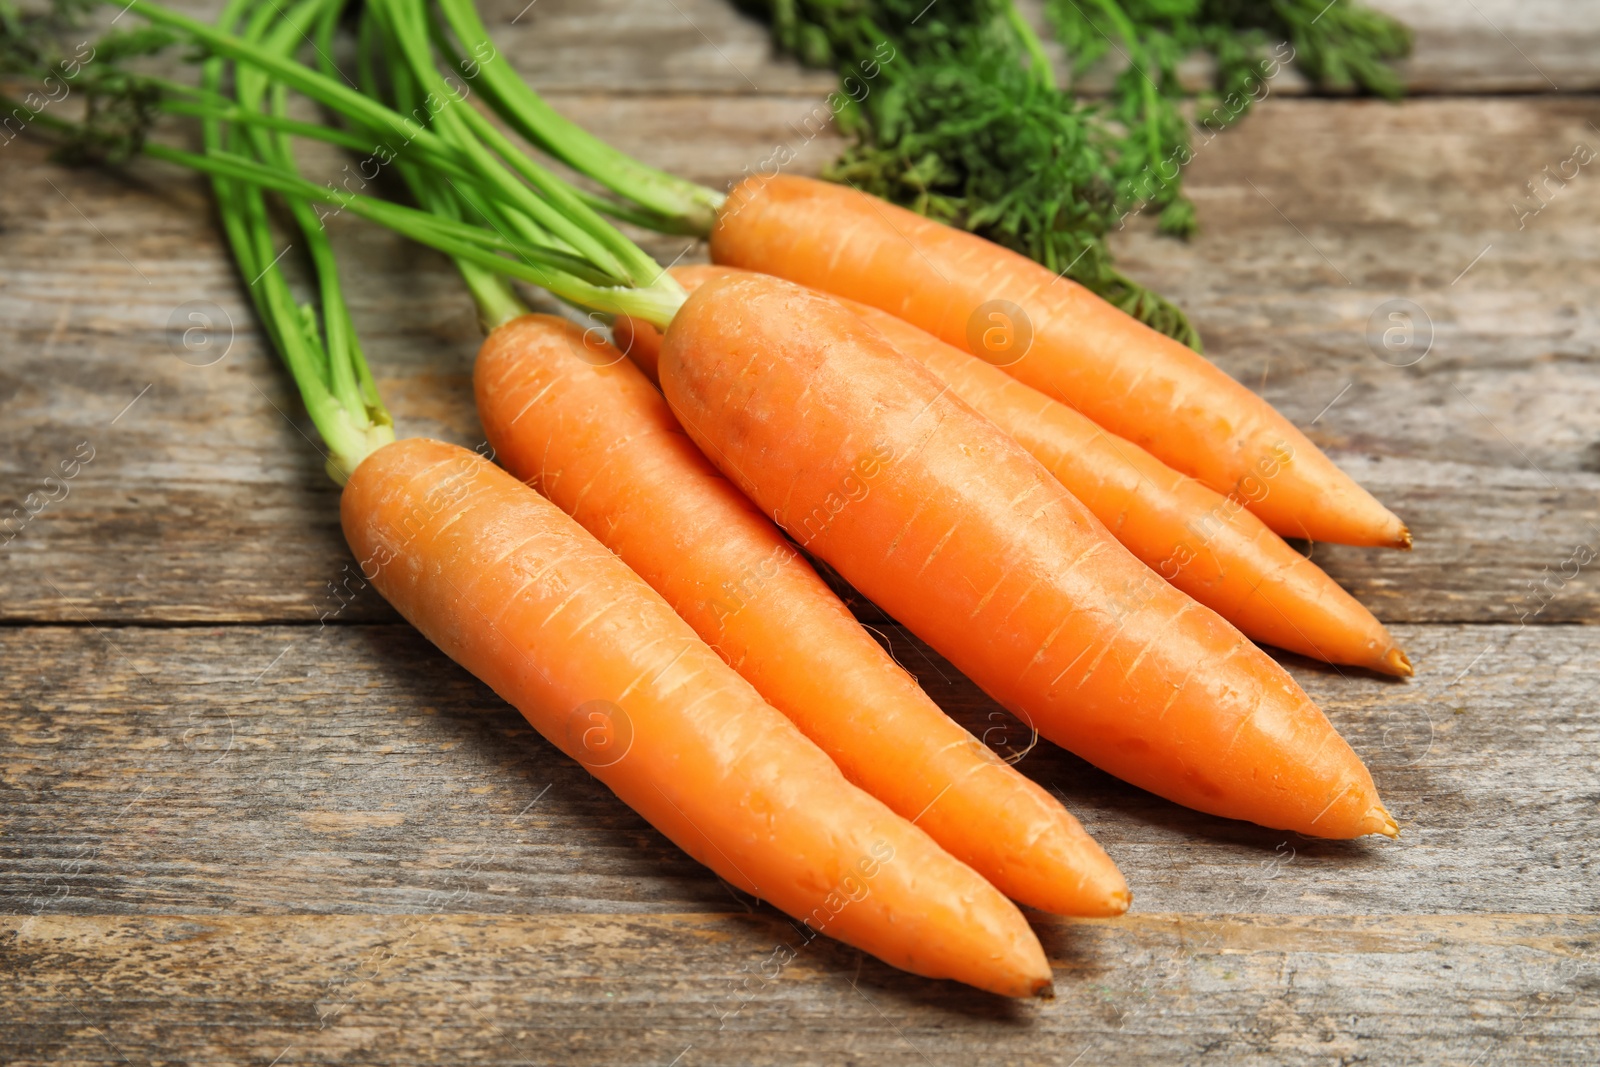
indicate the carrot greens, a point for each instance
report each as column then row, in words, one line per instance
column 962, row 126
column 495, row 210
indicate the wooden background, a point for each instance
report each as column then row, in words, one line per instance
column 242, row 821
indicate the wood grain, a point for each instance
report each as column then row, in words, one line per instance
column 1448, row 991
column 705, row 46
column 247, row 770
column 232, row 834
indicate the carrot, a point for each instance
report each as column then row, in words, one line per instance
column 1207, row 545
column 1057, row 337
column 520, row 595
column 569, row 416
column 869, row 461
column 639, row 341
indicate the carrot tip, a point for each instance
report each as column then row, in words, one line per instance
column 1395, row 661
column 1386, row 824
column 1119, row 901
column 1404, row 539
column 1046, row 990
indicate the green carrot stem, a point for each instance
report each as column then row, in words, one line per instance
column 232, row 113
column 319, row 87
column 690, row 206
column 341, row 417
column 1038, row 61
column 247, row 154
column 655, row 304
column 287, row 30
column 454, row 125
column 406, row 92
column 572, row 222
column 490, row 292
column 496, row 303
column 688, row 219
column 641, row 269
column 420, row 226
column 326, row 27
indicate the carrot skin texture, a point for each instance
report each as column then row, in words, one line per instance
column 1133, row 381
column 640, row 341
column 872, row 463
column 1208, row 545
column 520, row 595
column 595, row 437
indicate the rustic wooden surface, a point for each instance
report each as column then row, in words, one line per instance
column 242, row 821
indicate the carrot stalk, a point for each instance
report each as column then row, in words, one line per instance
column 1057, row 337
column 872, row 463
column 327, row 365
column 567, row 414
column 520, row 595
column 674, row 204
column 1206, row 544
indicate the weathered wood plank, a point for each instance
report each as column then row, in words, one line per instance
column 1499, row 46
column 1319, row 224
column 286, row 823
column 653, row 46
column 1485, row 46
column 1448, row 991
column 208, row 485
column 248, row 770
column 204, row 500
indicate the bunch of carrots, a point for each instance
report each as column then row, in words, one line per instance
column 1081, row 514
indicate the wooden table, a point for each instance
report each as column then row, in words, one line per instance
column 246, row 821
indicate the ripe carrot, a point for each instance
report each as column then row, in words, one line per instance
column 640, row 341
column 520, row 595
column 868, row 460
column 1206, row 544
column 1079, row 349
column 569, row 416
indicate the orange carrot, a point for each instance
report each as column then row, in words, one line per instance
column 572, row 418
column 1057, row 337
column 1208, row 545
column 520, row 595
column 868, row 460
column 640, row 341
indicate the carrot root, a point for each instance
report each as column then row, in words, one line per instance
column 1205, row 544
column 1399, row 663
column 931, row 511
column 597, row 439
column 520, row 595
column 1080, row 350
